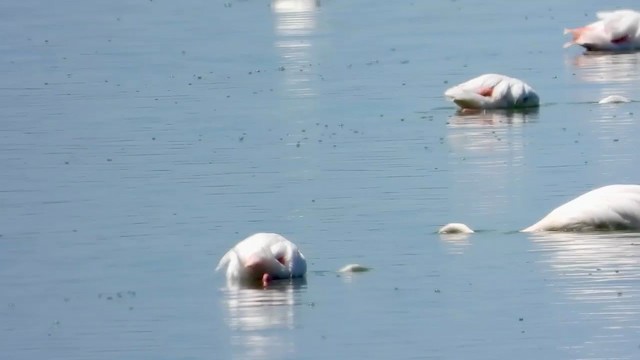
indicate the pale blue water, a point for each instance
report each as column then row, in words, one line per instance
column 140, row 140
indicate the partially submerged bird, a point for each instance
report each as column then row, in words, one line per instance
column 263, row 257
column 493, row 91
column 455, row 228
column 614, row 31
column 353, row 268
column 614, row 99
column 613, row 207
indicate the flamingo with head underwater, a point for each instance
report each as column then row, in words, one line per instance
column 608, row 208
column 493, row 91
column 617, row 30
column 612, row 207
column 263, row 257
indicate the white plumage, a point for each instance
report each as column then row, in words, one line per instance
column 613, row 207
column 614, row 99
column 455, row 228
column 263, row 257
column 614, row 31
column 493, row 91
column 353, row 268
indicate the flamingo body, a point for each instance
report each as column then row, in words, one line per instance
column 455, row 228
column 263, row 256
column 493, row 91
column 614, row 99
column 353, row 268
column 613, row 207
column 614, row 31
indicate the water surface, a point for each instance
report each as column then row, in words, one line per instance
column 141, row 140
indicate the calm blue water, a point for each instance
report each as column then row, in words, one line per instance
column 140, row 140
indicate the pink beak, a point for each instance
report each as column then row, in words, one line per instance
column 266, row 278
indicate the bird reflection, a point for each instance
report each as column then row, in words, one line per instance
column 475, row 117
column 295, row 23
column 598, row 269
column 618, row 72
column 606, row 67
column 486, row 130
column 295, row 17
column 255, row 312
column 456, row 243
column 487, row 152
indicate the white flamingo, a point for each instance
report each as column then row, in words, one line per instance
column 613, row 207
column 493, row 91
column 608, row 208
column 263, row 257
column 614, row 99
column 614, row 31
column 455, row 228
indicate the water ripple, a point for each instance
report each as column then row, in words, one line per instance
column 601, row 271
column 253, row 314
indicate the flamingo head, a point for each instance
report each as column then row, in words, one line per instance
column 266, row 268
column 266, row 279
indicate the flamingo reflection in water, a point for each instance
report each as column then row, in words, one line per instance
column 598, row 274
column 254, row 312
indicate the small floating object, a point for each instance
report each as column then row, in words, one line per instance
column 614, row 99
column 353, row 268
column 455, row 228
